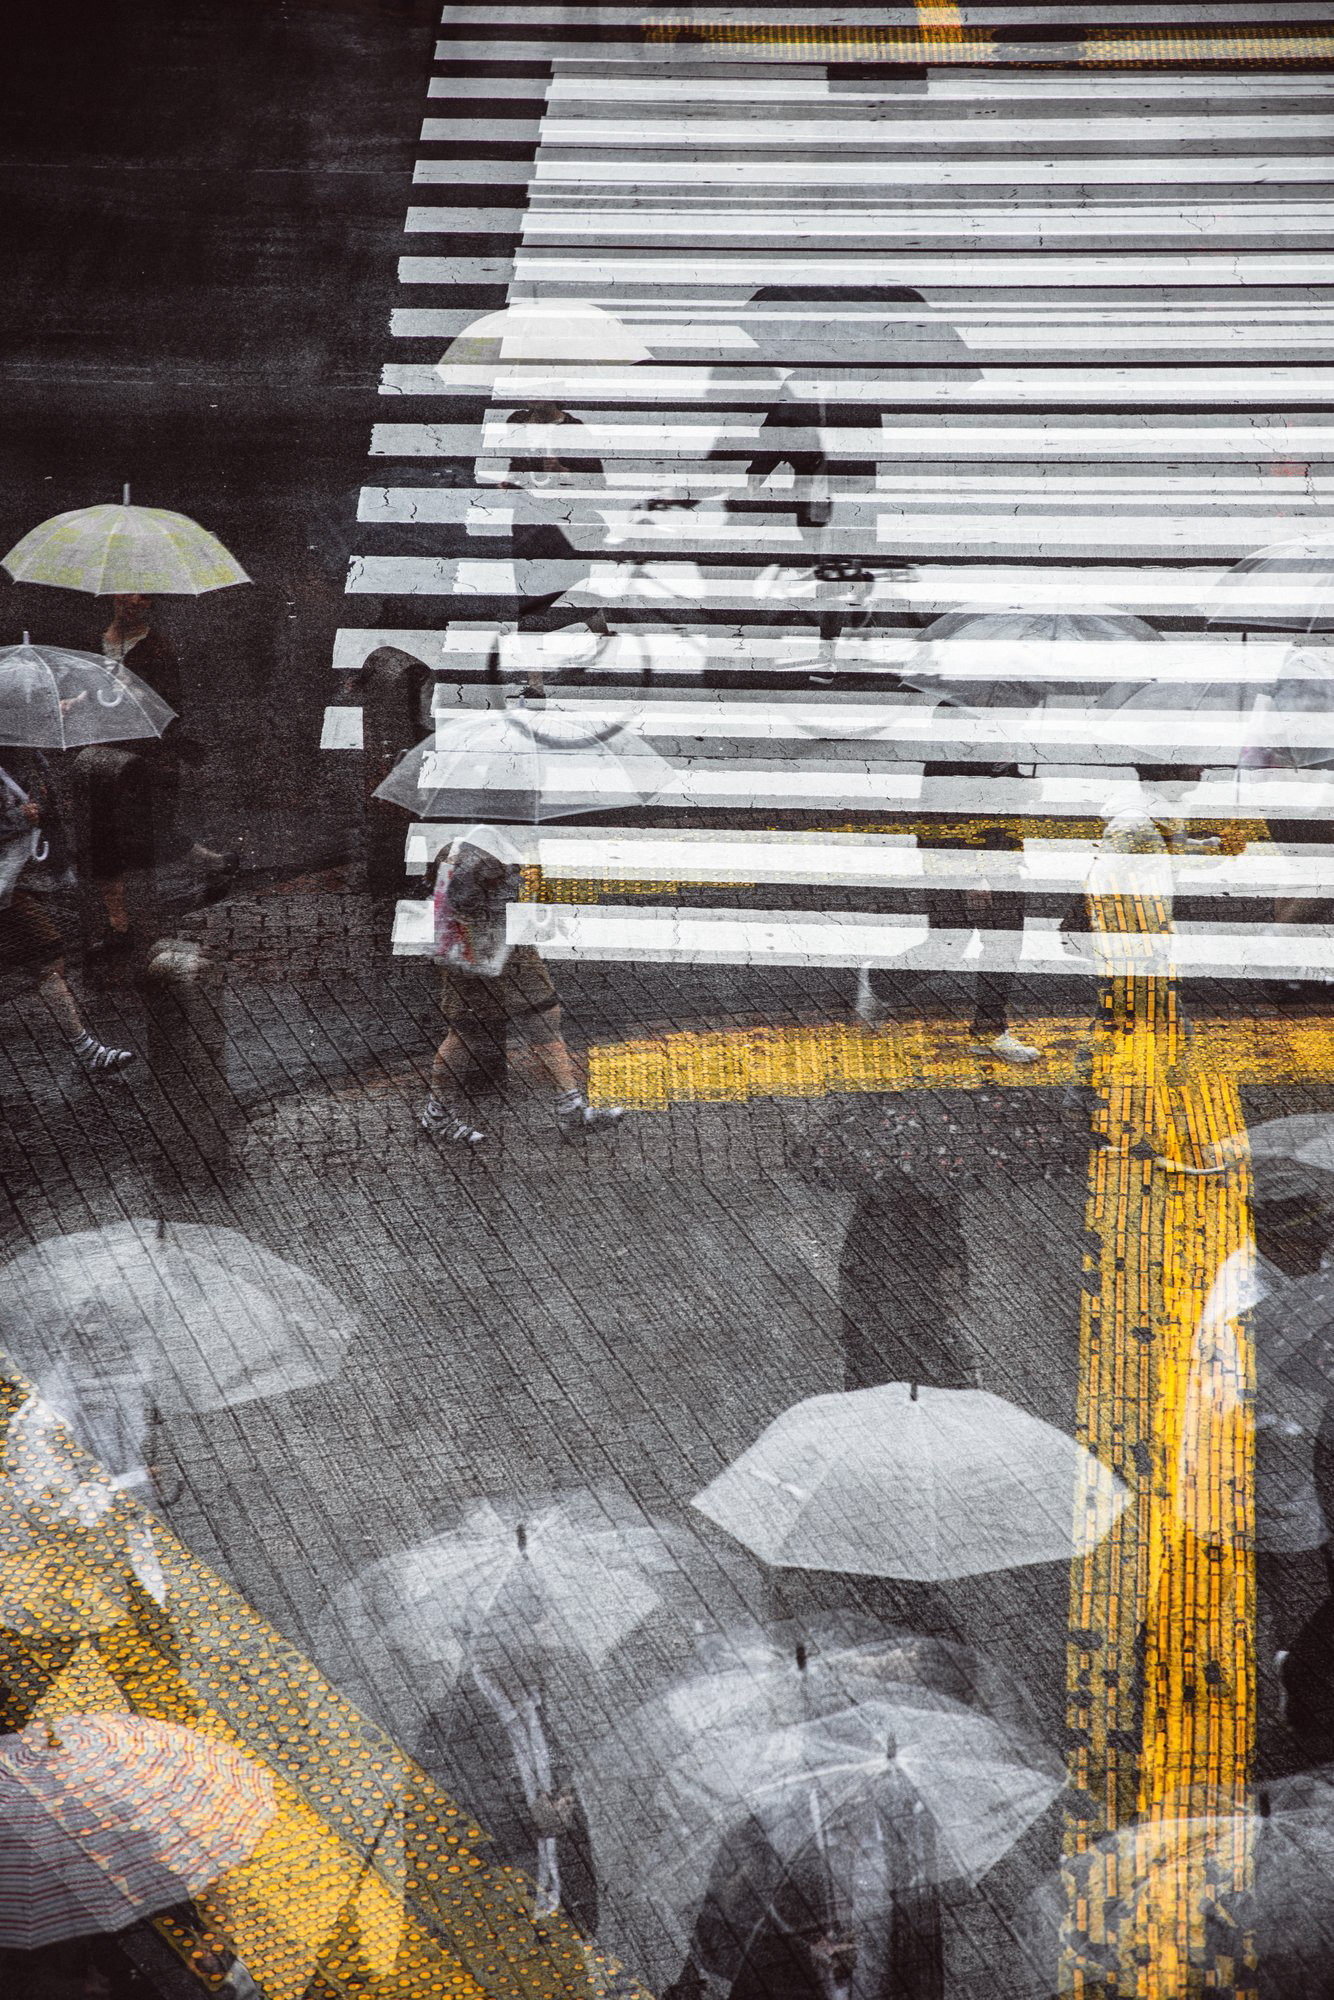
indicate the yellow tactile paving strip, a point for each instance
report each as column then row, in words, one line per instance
column 1161, row 1680
column 937, row 40
column 739, row 1065
column 369, row 1880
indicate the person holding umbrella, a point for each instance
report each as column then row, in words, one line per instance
column 130, row 554
column 30, row 943
column 488, row 987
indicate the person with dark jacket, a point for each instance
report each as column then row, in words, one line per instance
column 31, row 944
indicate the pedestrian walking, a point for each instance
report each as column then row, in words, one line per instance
column 30, row 943
column 132, row 797
column 489, row 987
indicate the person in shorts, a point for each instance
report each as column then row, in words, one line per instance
column 489, row 988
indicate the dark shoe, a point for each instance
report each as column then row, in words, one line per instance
column 95, row 1059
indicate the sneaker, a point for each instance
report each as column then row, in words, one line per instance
column 95, row 1059
column 1009, row 1048
column 437, row 1123
column 581, row 1119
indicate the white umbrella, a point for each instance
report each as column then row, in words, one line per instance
column 873, row 1799
column 212, row 1319
column 539, row 334
column 1261, row 1863
column 112, row 550
column 940, row 668
column 1288, row 586
column 52, row 698
column 576, row 1575
column 914, row 1482
column 513, row 765
column 107, row 1819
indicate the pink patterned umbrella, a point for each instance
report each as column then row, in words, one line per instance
column 105, row 1819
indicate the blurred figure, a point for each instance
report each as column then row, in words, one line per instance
column 489, row 986
column 132, row 797
column 394, row 689
column 30, row 943
column 492, row 1745
column 851, row 1917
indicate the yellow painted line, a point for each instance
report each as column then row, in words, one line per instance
column 937, row 40
column 740, row 1065
column 369, row 1878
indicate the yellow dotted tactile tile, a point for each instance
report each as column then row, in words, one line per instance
column 938, row 39
column 738, row 1065
column 369, row 1880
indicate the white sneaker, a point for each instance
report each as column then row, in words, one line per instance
column 1010, row 1049
column 438, row 1123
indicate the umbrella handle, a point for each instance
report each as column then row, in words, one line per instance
column 41, row 846
column 115, row 700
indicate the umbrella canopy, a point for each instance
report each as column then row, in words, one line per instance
column 55, row 699
column 852, row 1808
column 1288, row 587
column 112, row 550
column 494, row 764
column 537, row 333
column 941, row 668
column 211, row 1319
column 1197, row 1864
column 914, row 1482
column 1194, row 698
column 1304, row 688
column 1306, row 1140
column 106, row 1819
column 575, row 1575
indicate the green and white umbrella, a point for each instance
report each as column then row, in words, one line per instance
column 111, row 551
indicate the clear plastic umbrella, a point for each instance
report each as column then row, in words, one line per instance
column 1288, row 586
column 1231, row 1863
column 107, row 1819
column 55, row 699
column 514, row 765
column 887, row 1793
column 995, row 675
column 914, row 1482
column 529, row 338
column 111, row 550
column 206, row 1317
column 575, row 1575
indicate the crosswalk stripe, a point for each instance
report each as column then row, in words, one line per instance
column 1255, row 439
column 931, row 269
column 800, row 938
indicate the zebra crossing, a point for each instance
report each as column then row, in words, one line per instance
column 1055, row 334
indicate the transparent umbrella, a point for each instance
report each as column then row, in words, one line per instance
column 55, row 699
column 1227, row 1863
column 985, row 659
column 206, row 1317
column 516, row 766
column 112, row 550
column 853, row 1805
column 530, row 338
column 1288, row 586
column 576, row 1575
column 107, row 1819
column 914, row 1482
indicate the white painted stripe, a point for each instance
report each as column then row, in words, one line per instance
column 570, row 88
column 736, row 856
column 806, row 938
column 732, row 785
column 934, row 588
column 898, row 126
column 557, row 170
column 942, row 732
column 681, row 386
column 342, row 729
column 461, row 647
column 1256, row 441
column 925, row 269
column 1224, row 220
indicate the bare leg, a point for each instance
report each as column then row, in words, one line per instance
column 113, row 899
column 554, row 1057
column 54, row 989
